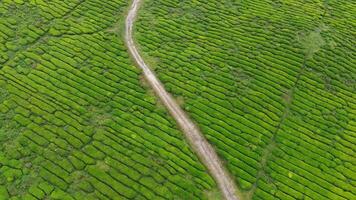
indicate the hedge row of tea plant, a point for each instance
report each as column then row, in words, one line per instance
column 270, row 83
column 75, row 121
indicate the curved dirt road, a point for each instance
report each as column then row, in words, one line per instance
column 201, row 146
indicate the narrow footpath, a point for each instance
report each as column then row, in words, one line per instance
column 196, row 139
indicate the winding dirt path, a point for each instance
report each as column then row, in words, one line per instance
column 201, row 146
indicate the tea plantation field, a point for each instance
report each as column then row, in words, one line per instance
column 76, row 121
column 271, row 83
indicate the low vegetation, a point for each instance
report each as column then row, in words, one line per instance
column 75, row 122
column 270, row 83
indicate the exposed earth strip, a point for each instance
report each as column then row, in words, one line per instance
column 192, row 133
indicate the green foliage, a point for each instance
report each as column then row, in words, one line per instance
column 73, row 114
column 312, row 42
column 267, row 82
column 3, row 193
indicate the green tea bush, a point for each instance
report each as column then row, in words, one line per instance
column 265, row 86
column 77, row 118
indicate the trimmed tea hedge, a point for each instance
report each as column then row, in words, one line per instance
column 75, row 123
column 270, row 83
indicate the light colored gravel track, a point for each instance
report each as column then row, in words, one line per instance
column 201, row 146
